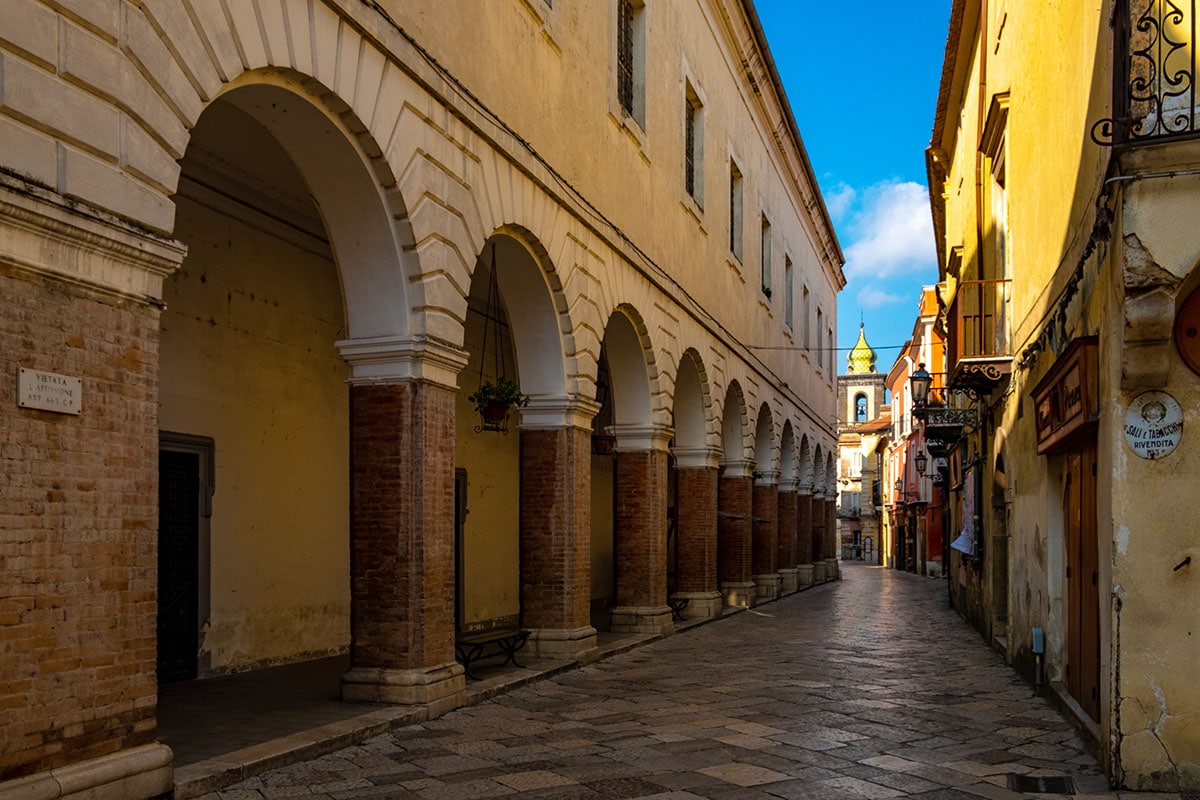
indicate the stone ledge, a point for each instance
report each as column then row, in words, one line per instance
column 139, row 772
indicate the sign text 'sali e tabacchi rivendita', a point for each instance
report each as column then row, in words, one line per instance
column 1153, row 424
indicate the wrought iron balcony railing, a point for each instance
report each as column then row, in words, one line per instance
column 1154, row 73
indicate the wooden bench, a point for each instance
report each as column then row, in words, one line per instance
column 471, row 646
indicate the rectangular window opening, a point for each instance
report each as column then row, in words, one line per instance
column 766, row 256
column 693, row 147
column 735, row 211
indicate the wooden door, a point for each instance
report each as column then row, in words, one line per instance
column 1082, row 581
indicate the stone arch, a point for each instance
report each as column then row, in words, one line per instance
column 733, row 424
column 351, row 188
column 818, row 475
column 631, row 367
column 788, row 467
column 692, row 402
column 536, row 310
column 764, row 442
column 804, row 462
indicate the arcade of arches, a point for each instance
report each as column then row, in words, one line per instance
column 279, row 361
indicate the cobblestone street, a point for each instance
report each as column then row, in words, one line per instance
column 867, row 688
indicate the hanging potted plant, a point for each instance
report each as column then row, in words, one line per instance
column 493, row 401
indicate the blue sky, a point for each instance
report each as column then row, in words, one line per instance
column 862, row 81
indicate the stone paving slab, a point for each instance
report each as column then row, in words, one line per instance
column 866, row 688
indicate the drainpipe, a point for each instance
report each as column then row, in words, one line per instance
column 1039, row 659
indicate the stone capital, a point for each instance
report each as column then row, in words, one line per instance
column 393, row 359
column 641, row 438
column 564, row 411
column 740, row 468
column 768, row 477
column 44, row 233
column 696, row 457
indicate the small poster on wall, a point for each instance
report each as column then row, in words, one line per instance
column 1153, row 424
column 965, row 542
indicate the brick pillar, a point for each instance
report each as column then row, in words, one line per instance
column 640, row 530
column 831, row 543
column 804, row 537
column 402, row 570
column 556, row 528
column 818, row 537
column 402, row 546
column 734, row 567
column 79, row 501
column 785, row 559
column 765, row 539
column 696, row 532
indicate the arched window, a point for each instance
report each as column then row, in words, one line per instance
column 860, row 407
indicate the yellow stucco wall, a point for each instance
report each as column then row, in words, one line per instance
column 247, row 359
column 1056, row 64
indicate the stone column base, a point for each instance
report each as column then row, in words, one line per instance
column 789, row 581
column 766, row 587
column 819, row 572
column 138, row 773
column 804, row 575
column 701, row 605
column 577, row 644
column 739, row 594
column 440, row 689
column 642, row 619
column 832, row 569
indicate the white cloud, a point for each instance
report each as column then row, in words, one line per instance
column 839, row 201
column 876, row 297
column 891, row 235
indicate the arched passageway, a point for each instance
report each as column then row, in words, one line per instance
column 639, row 483
column 735, row 505
column 696, row 478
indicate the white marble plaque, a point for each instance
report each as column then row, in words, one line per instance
column 49, row 391
column 1153, row 424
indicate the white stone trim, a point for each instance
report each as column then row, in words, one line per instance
column 390, row 359
column 41, row 232
column 549, row 413
column 640, row 438
column 696, row 457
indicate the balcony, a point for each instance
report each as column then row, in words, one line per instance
column 945, row 418
column 980, row 352
column 1154, row 74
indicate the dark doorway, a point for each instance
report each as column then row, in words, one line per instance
column 184, row 507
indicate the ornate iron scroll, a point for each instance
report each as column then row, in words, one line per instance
column 1154, row 92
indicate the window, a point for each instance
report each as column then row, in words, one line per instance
column 693, row 145
column 631, row 58
column 819, row 358
column 788, row 292
column 807, row 319
column 735, row 211
column 832, row 351
column 860, row 407
column 766, row 256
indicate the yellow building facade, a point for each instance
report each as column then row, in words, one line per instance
column 262, row 262
column 1063, row 180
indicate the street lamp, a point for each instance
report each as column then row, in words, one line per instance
column 922, row 461
column 919, row 383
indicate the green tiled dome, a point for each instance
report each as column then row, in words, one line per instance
column 862, row 357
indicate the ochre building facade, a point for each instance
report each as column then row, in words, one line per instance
column 1063, row 181
column 257, row 258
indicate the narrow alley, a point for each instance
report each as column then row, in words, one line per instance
column 870, row 687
